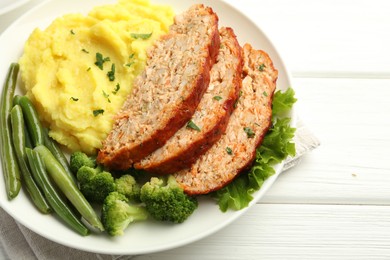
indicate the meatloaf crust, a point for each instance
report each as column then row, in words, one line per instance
column 167, row 93
column 211, row 116
column 248, row 124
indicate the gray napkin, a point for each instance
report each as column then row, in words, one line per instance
column 18, row 242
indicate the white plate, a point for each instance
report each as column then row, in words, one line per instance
column 149, row 236
column 9, row 5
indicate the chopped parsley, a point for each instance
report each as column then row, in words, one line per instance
column 261, row 67
column 84, row 50
column 72, row 32
column 265, row 93
column 249, row 132
column 143, row 36
column 100, row 60
column 131, row 62
column 98, row 112
column 218, row 98
column 229, row 150
column 117, row 88
column 106, row 96
column 111, row 73
column 192, row 125
column 89, row 68
column 74, row 99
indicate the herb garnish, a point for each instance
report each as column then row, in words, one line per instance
column 117, row 88
column 72, row 32
column 229, row 150
column 192, row 125
column 111, row 73
column 106, row 96
column 265, row 94
column 74, row 99
column 84, row 50
column 98, row 112
column 100, row 60
column 218, row 98
column 249, row 132
column 261, row 67
column 142, row 36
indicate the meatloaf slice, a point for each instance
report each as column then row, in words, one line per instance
column 210, row 118
column 248, row 124
column 166, row 94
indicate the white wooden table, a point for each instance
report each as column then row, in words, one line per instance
column 336, row 203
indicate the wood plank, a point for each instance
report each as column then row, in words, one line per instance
column 352, row 164
column 295, row 232
column 327, row 38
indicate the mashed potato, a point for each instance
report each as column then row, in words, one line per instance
column 80, row 69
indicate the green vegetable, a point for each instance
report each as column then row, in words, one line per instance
column 79, row 159
column 18, row 138
column 218, row 98
column 100, row 60
column 283, row 102
column 97, row 112
column 95, row 184
column 165, row 200
column 10, row 166
column 276, row 146
column 111, row 73
column 58, row 154
column 53, row 197
column 33, row 124
column 128, row 186
column 117, row 88
column 192, row 125
column 261, row 67
column 68, row 187
column 249, row 132
column 117, row 213
column 16, row 100
column 229, row 150
column 142, row 36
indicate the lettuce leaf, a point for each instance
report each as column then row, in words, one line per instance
column 283, row 102
column 276, row 146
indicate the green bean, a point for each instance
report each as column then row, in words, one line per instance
column 34, row 126
column 55, row 200
column 10, row 166
column 68, row 187
column 58, row 154
column 18, row 138
column 16, row 101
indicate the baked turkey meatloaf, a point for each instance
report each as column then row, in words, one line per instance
column 210, row 118
column 248, row 124
column 168, row 91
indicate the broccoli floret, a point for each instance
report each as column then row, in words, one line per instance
column 128, row 186
column 117, row 213
column 95, row 184
column 165, row 200
column 79, row 159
